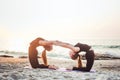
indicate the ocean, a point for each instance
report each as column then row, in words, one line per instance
column 111, row 47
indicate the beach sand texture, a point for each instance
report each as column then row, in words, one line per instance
column 19, row 69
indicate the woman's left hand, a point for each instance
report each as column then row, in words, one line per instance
column 76, row 49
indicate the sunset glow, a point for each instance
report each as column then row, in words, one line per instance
column 23, row 20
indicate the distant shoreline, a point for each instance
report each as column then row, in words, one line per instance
column 99, row 57
column 13, row 54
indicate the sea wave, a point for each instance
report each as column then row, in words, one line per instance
column 113, row 50
column 107, row 46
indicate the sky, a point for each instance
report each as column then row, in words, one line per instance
column 21, row 21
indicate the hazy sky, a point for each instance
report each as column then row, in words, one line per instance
column 23, row 20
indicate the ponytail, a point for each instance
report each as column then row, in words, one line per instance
column 79, row 62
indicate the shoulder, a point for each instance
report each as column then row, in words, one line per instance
column 36, row 41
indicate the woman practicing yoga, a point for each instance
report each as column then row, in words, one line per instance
column 89, row 57
column 33, row 53
column 47, row 45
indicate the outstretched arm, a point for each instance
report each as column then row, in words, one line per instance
column 44, row 58
column 59, row 43
column 45, row 43
column 66, row 45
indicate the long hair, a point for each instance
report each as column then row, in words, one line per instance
column 79, row 62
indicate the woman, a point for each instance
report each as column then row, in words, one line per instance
column 33, row 53
column 89, row 57
column 47, row 45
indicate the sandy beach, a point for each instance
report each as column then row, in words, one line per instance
column 19, row 69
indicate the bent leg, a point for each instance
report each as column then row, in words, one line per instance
column 90, row 59
column 33, row 60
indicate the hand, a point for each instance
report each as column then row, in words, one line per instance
column 73, row 55
column 52, row 67
column 76, row 49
